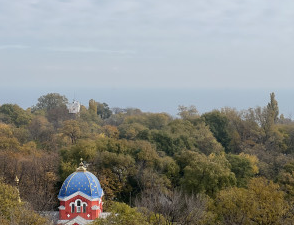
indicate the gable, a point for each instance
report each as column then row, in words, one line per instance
column 77, row 221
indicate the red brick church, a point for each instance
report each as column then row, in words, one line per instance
column 80, row 198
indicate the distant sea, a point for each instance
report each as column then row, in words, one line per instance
column 159, row 99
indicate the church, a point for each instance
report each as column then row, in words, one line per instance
column 80, row 198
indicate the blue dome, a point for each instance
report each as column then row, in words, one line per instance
column 84, row 182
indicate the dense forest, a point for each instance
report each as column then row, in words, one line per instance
column 220, row 167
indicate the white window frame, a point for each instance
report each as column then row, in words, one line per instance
column 78, row 209
column 78, row 206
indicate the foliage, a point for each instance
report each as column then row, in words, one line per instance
column 188, row 112
column 50, row 101
column 14, row 212
column 272, row 108
column 103, row 110
column 122, row 214
column 7, row 139
column 14, row 114
column 244, row 167
column 131, row 131
column 218, row 125
column 92, row 107
column 207, row 174
column 208, row 165
column 285, row 179
column 173, row 207
column 111, row 131
column 71, row 129
column 261, row 203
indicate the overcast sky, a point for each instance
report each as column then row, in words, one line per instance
column 147, row 43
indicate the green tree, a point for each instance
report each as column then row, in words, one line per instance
column 164, row 142
column 150, row 120
column 85, row 149
column 114, row 171
column 103, row 110
column 218, row 124
column 66, row 168
column 188, row 112
column 272, row 108
column 147, row 155
column 285, row 179
column 157, row 120
column 122, row 214
column 183, row 133
column 268, row 117
column 54, row 106
column 287, row 131
column 170, row 168
column 72, row 130
column 205, row 141
column 131, row 131
column 208, row 174
column 51, row 101
column 244, row 167
column 14, row 114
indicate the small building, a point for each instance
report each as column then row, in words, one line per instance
column 80, row 198
column 74, row 107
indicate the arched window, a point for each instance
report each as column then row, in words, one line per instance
column 73, row 208
column 78, row 206
column 84, row 208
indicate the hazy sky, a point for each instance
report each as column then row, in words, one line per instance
column 146, row 43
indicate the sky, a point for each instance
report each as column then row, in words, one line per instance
column 232, row 44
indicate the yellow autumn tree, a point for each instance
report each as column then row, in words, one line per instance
column 262, row 203
column 7, row 139
column 14, row 212
column 71, row 129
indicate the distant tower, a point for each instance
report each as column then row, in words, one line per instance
column 74, row 107
column 80, row 198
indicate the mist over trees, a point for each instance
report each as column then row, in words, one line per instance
column 219, row 167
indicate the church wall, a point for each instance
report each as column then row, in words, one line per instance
column 90, row 213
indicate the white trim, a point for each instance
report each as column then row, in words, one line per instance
column 77, row 219
column 61, row 207
column 81, row 194
column 81, row 202
column 78, row 207
column 95, row 207
column 81, row 220
column 78, row 200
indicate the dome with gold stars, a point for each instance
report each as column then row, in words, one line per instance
column 81, row 181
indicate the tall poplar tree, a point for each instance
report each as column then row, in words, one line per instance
column 272, row 107
column 93, row 107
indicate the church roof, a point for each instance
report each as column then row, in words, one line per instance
column 81, row 181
